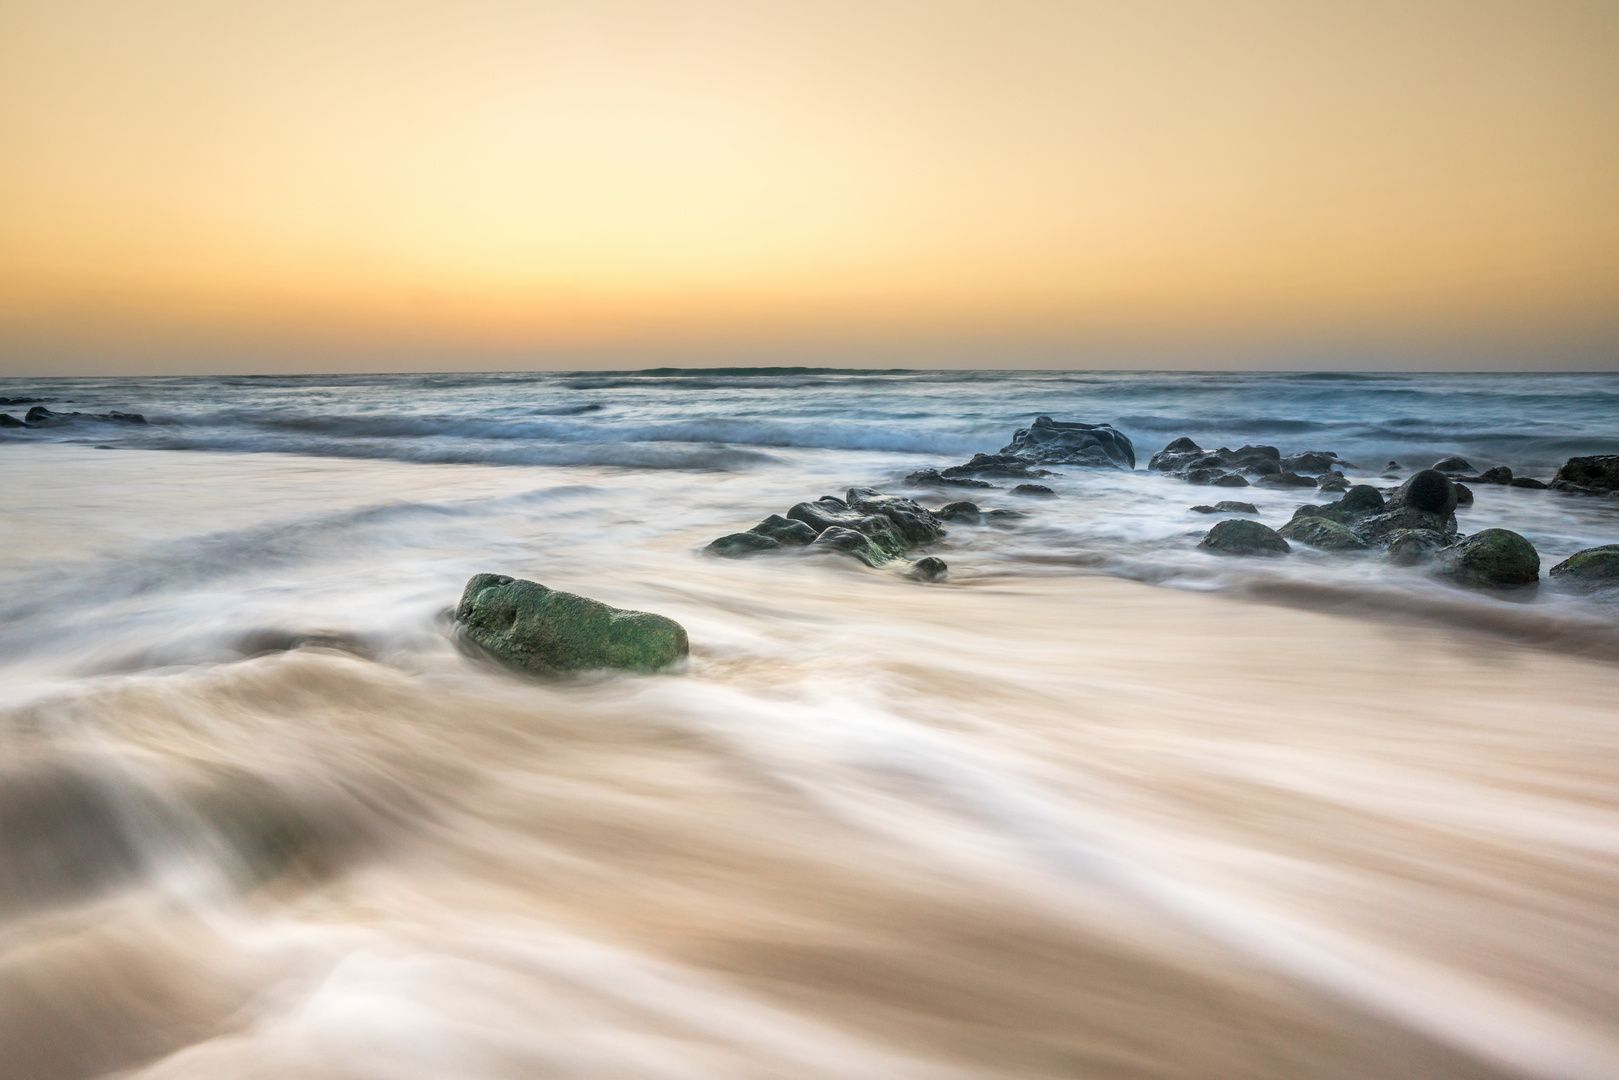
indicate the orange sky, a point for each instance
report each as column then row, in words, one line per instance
column 191, row 185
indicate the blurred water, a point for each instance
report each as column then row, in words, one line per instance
column 258, row 816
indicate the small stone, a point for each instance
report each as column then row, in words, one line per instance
column 1239, row 536
column 929, row 568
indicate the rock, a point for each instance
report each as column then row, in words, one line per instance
column 1361, row 499
column 1227, row 506
column 1239, row 536
column 1181, row 445
column 1263, row 467
column 850, row 542
column 1452, row 465
column 961, row 511
column 1378, row 528
column 1313, row 462
column 1500, row 474
column 914, row 523
column 124, row 417
column 1464, row 494
column 737, row 545
column 1493, row 558
column 1391, row 466
column 1332, row 482
column 1004, row 515
column 784, row 531
column 1286, row 480
column 1429, row 490
column 1323, row 533
column 543, row 630
column 929, row 568
column 7, row 420
column 1589, row 475
column 829, row 512
column 37, row 414
column 1229, row 480
column 1039, row 491
column 1408, row 547
column 1000, row 466
column 1529, row 482
column 934, row 478
column 1055, row 442
column 1593, row 566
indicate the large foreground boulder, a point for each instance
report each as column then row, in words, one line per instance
column 1059, row 442
column 1493, row 558
column 1589, row 475
column 548, row 632
column 1239, row 536
column 1593, row 566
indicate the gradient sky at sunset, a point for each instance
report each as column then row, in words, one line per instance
column 292, row 185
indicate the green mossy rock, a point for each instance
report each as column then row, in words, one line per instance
column 1492, row 559
column 1323, row 533
column 1593, row 566
column 548, row 632
column 1239, row 536
column 784, row 531
column 738, row 545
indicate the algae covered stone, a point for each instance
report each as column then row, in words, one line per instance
column 1593, row 566
column 1239, row 536
column 546, row 631
column 1493, row 558
column 1323, row 533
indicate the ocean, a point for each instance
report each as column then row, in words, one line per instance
column 1097, row 804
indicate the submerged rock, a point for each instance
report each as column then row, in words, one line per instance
column 1036, row 490
column 1323, row 533
column 1239, row 536
column 1285, row 480
column 1593, row 566
column 1333, row 482
column 1493, row 558
column 737, row 545
column 1226, row 506
column 1452, row 465
column 1409, row 547
column 1057, row 442
column 1597, row 475
column 7, row 420
column 1379, row 528
column 935, row 478
column 1498, row 474
column 962, row 511
column 784, row 531
column 929, row 568
column 1529, row 482
column 546, row 631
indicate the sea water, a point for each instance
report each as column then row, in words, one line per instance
column 1098, row 804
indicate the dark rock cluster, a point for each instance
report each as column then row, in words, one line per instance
column 873, row 527
column 1231, row 468
column 40, row 416
column 1044, row 442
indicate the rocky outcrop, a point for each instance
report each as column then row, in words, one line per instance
column 1597, row 475
column 1057, row 442
column 541, row 630
column 1239, row 536
column 1593, row 566
column 867, row 524
column 1492, row 559
column 40, row 416
column 1229, row 468
column 1323, row 533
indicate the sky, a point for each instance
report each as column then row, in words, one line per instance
column 205, row 185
